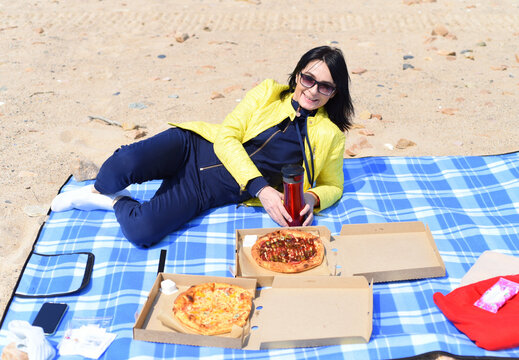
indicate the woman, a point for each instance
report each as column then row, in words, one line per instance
column 206, row 165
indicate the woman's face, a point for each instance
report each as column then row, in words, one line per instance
column 310, row 98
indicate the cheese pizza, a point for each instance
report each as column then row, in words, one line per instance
column 213, row 308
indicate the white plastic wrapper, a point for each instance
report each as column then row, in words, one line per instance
column 86, row 337
column 31, row 340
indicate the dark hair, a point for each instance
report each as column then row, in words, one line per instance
column 339, row 107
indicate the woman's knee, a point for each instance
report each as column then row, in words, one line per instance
column 125, row 161
column 140, row 227
column 141, row 238
column 143, row 232
column 117, row 171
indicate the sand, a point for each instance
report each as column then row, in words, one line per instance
column 63, row 61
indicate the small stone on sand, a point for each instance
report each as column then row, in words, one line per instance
column 449, row 111
column 440, row 30
column 35, row 210
column 365, row 115
column 84, row 170
column 181, row 37
column 358, row 71
column 216, row 95
column 404, row 143
column 366, row 132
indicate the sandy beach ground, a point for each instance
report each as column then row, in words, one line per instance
column 447, row 90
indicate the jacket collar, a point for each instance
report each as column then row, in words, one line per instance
column 303, row 112
column 288, row 110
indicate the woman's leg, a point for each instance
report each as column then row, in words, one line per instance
column 144, row 224
column 155, row 158
column 158, row 157
column 170, row 156
column 85, row 198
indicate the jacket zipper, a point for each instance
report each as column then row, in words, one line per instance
column 264, row 144
column 268, row 140
column 210, row 167
column 252, row 154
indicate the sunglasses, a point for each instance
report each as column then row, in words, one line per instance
column 308, row 82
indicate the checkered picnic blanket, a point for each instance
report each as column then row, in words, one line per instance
column 471, row 204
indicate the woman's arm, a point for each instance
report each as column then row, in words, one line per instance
column 330, row 181
column 272, row 201
column 311, row 201
column 228, row 144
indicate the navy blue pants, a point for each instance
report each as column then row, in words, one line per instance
column 194, row 180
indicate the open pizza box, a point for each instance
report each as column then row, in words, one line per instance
column 380, row 252
column 294, row 312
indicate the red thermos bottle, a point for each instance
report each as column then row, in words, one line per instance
column 293, row 176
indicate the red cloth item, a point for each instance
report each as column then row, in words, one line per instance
column 488, row 330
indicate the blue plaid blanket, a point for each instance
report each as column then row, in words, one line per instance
column 471, row 204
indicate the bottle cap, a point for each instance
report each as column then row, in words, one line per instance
column 292, row 173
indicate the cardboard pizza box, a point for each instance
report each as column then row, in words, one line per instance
column 149, row 327
column 380, row 252
column 294, row 312
column 312, row 311
column 388, row 251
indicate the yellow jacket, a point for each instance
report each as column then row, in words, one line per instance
column 260, row 109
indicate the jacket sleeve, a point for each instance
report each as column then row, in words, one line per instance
column 228, row 142
column 330, row 182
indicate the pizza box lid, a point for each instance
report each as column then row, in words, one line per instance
column 387, row 251
column 312, row 311
column 379, row 251
column 294, row 312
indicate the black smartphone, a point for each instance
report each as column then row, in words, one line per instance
column 50, row 316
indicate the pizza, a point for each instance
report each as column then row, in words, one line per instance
column 213, row 308
column 288, row 251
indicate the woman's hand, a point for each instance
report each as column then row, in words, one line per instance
column 308, row 209
column 272, row 201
